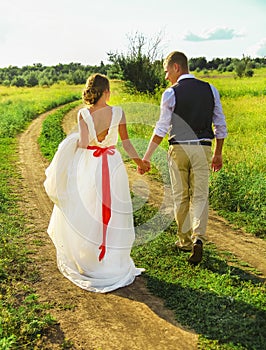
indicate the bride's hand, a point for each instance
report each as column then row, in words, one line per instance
column 144, row 167
column 147, row 165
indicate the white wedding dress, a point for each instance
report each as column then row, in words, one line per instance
column 95, row 258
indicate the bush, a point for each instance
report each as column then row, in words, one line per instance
column 32, row 80
column 249, row 73
column 240, row 68
column 18, row 81
column 140, row 68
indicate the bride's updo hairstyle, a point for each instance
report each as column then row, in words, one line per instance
column 95, row 86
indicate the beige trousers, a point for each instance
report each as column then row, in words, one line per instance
column 189, row 167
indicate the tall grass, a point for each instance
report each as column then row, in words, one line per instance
column 238, row 192
column 23, row 319
column 230, row 86
column 18, row 106
column 220, row 299
column 52, row 132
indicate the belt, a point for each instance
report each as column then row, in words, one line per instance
column 204, row 143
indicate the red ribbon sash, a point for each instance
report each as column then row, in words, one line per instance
column 106, row 192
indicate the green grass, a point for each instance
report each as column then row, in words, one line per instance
column 23, row 319
column 52, row 133
column 238, row 191
column 18, row 106
column 222, row 299
column 232, row 87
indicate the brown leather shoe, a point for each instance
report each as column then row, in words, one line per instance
column 196, row 254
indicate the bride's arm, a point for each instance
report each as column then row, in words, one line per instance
column 83, row 133
column 127, row 145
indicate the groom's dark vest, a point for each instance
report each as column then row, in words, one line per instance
column 192, row 116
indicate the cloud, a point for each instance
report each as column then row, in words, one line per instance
column 213, row 34
column 259, row 49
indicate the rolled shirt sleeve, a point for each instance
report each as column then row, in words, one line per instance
column 219, row 124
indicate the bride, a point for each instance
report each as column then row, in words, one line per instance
column 92, row 222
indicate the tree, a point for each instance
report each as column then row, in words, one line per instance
column 249, row 71
column 45, row 82
column 240, row 68
column 199, row 63
column 32, row 80
column 141, row 66
column 18, row 81
column 243, row 67
column 79, row 77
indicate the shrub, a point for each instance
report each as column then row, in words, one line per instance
column 18, row 81
column 140, row 67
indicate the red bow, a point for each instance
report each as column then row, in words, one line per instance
column 106, row 193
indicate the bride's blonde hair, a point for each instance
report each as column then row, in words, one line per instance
column 95, row 86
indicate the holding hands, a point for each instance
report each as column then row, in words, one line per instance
column 144, row 166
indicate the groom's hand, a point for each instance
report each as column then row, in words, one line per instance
column 147, row 165
column 141, row 171
column 145, row 168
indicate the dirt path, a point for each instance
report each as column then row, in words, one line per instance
column 129, row 318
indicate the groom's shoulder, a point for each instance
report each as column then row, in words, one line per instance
column 168, row 92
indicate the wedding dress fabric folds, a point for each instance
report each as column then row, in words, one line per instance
column 93, row 235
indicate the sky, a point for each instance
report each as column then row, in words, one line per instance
column 84, row 31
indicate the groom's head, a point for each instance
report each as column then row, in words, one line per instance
column 175, row 64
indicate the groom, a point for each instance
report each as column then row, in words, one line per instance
column 192, row 115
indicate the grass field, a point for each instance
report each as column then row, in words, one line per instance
column 23, row 320
column 239, row 191
column 18, row 106
column 223, row 300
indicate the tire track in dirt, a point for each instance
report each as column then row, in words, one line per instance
column 129, row 318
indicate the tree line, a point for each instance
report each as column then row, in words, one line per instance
column 141, row 68
column 38, row 74
column 242, row 67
